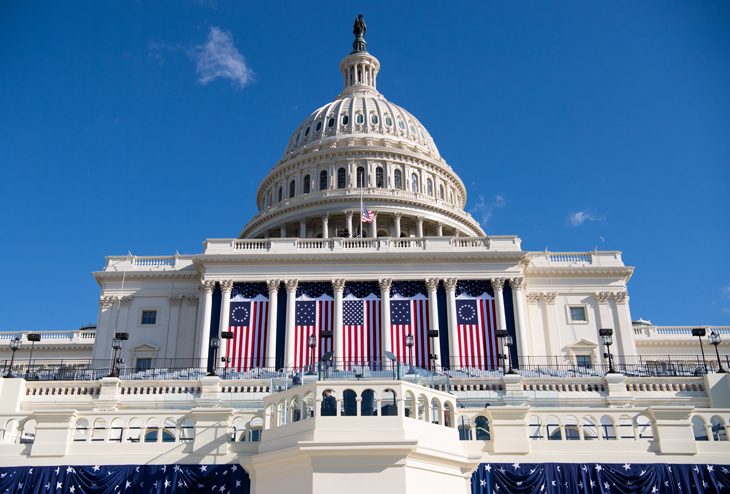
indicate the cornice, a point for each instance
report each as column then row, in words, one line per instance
column 102, row 277
column 624, row 272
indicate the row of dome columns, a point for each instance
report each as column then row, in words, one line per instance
column 338, row 286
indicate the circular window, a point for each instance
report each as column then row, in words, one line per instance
column 331, row 123
column 319, row 126
column 306, row 132
column 401, row 125
column 388, row 121
column 345, row 120
column 374, row 119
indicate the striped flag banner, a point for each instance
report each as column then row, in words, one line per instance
column 361, row 329
column 312, row 317
column 249, row 322
column 410, row 316
column 476, row 325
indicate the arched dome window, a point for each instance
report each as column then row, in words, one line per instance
column 441, row 192
column 331, row 122
column 429, row 187
column 281, row 191
column 414, row 183
column 374, row 119
column 401, row 126
column 388, row 121
column 379, row 182
column 323, row 180
column 319, row 126
column 307, row 184
column 359, row 119
column 292, row 188
column 360, row 176
column 341, row 178
column 345, row 120
column 397, row 179
column 306, row 132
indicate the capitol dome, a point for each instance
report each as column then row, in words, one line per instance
column 361, row 147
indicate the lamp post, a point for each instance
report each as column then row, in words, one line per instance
column 699, row 333
column 117, row 346
column 226, row 335
column 215, row 344
column 32, row 337
column 715, row 340
column 14, row 346
column 508, row 341
column 409, row 344
column 502, row 333
column 311, row 342
column 607, row 337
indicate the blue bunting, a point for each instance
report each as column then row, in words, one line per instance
column 408, row 289
column 361, row 289
column 126, row 479
column 600, row 478
column 474, row 288
column 315, row 289
column 250, row 290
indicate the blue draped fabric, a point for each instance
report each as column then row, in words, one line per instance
column 361, row 289
column 125, row 479
column 474, row 288
column 250, row 290
column 600, row 478
column 315, row 289
column 408, row 289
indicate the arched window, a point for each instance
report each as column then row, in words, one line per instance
column 306, row 132
column 359, row 119
column 323, row 180
column 388, row 405
column 482, row 426
column 319, row 126
column 643, row 424
column 699, row 428
column 134, row 430
column 360, row 176
column 429, row 187
column 349, row 403
column 292, row 188
column 81, row 432
column 169, row 431
column 151, row 430
column 414, row 183
column 379, row 182
column 398, row 181
column 534, row 427
column 589, row 428
column 441, row 192
column 718, row 429
column 116, row 432
column 280, row 193
column 464, row 426
column 374, row 119
column 572, row 433
column 98, row 433
column 345, row 120
column 331, row 122
column 607, row 430
column 367, row 404
column 552, row 427
column 341, row 178
column 307, row 184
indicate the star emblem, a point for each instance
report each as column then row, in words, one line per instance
column 627, row 466
column 72, row 489
column 97, row 468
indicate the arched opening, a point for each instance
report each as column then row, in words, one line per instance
column 379, row 177
column 398, row 179
column 429, row 187
column 552, row 427
column 323, row 180
column 482, row 428
column 626, row 427
column 367, row 405
column 308, row 405
column 98, row 433
column 699, row 428
column 81, row 431
column 292, row 189
column 607, row 429
column 341, row 178
column 590, row 431
column 360, row 176
column 281, row 192
column 464, row 428
column 534, row 427
column 643, row 424
column 238, row 430
column 307, row 184
column 414, row 183
column 116, row 431
column 169, row 430
column 27, row 436
column 441, row 192
column 719, row 432
column 256, row 425
column 296, row 409
column 349, row 403
column 572, row 432
column 187, row 429
column 134, row 430
column 436, row 411
column 448, row 413
column 151, row 430
column 422, row 408
column 329, row 403
column 388, row 406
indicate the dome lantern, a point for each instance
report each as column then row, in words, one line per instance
column 359, row 68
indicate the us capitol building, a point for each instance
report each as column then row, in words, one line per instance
column 363, row 334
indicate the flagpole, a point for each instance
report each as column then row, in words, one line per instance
column 361, row 211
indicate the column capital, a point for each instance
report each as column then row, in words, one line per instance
column 291, row 285
column 517, row 283
column 525, row 261
column 432, row 284
column 303, row 220
column 208, row 286
column 273, row 285
column 192, row 300
column 440, row 224
column 550, row 297
column 325, row 216
column 450, row 283
column 125, row 301
column 398, row 214
column 620, row 297
column 497, row 284
column 533, row 297
column 175, row 300
column 106, row 302
column 338, row 285
column 420, row 219
column 603, row 297
column 385, row 284
column 374, row 213
column 348, row 214
column 226, row 286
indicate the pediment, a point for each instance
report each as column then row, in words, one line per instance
column 145, row 347
column 582, row 344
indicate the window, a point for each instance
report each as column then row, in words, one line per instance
column 298, row 135
column 149, row 317
column 360, row 119
column 413, row 131
column 374, row 119
column 429, row 187
column 577, row 314
column 360, row 176
column 306, row 132
column 143, row 364
column 388, row 121
column 397, row 179
column 552, row 427
column 307, row 184
column 379, row 182
column 345, row 120
column 280, row 193
column 323, row 180
column 572, row 433
column 422, row 136
column 319, row 126
column 583, row 361
column 414, row 183
column 441, row 192
column 341, row 178
column 292, row 188
column 331, row 122
column 482, row 428
column 401, row 125
column 535, row 428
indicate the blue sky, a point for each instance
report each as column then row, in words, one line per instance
column 146, row 127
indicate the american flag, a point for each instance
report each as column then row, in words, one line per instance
column 312, row 317
column 476, row 324
column 410, row 316
column 249, row 322
column 367, row 216
column 361, row 330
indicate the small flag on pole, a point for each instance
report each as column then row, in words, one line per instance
column 367, row 216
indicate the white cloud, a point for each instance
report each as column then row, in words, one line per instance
column 219, row 58
column 486, row 210
column 577, row 219
column 726, row 291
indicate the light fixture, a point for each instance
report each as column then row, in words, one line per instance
column 699, row 333
column 715, row 340
column 409, row 344
column 606, row 335
column 14, row 346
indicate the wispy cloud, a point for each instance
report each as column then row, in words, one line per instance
column 726, row 291
column 577, row 219
column 485, row 210
column 219, row 58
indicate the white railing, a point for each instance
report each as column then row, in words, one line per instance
column 570, row 258
column 51, row 336
column 461, row 242
column 677, row 331
column 149, row 262
column 251, row 244
column 314, row 244
column 360, row 243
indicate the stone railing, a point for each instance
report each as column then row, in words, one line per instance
column 676, row 331
column 52, row 337
column 148, row 263
column 594, row 259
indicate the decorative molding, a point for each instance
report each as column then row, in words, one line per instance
column 192, row 300
column 338, row 285
column 550, row 297
column 533, row 297
column 603, row 297
column 517, row 283
column 226, row 286
column 291, row 285
column 525, row 261
column 348, row 214
column 106, row 302
column 385, row 284
column 175, row 300
column 497, row 284
column 273, row 285
column 208, row 286
column 620, row 297
column 125, row 301
column 432, row 284
column 420, row 219
column 450, row 283
column 398, row 215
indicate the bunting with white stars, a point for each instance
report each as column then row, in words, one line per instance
column 600, row 478
column 409, row 315
column 248, row 320
column 125, row 479
column 476, row 324
column 361, row 323
column 314, row 313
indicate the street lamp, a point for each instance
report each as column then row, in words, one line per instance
column 509, row 342
column 14, row 346
column 117, row 346
column 502, row 333
column 715, row 340
column 699, row 333
column 432, row 334
column 215, row 344
column 607, row 337
column 311, row 342
column 226, row 335
column 32, row 337
column 409, row 344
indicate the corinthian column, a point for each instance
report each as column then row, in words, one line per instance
column 420, row 226
column 226, row 288
column 325, row 225
column 522, row 329
column 207, row 301
column 348, row 222
column 338, row 287
column 374, row 225
column 450, row 286
column 273, row 286
column 397, row 224
column 302, row 228
column 387, row 345
column 432, row 285
column 498, row 287
column 291, row 307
